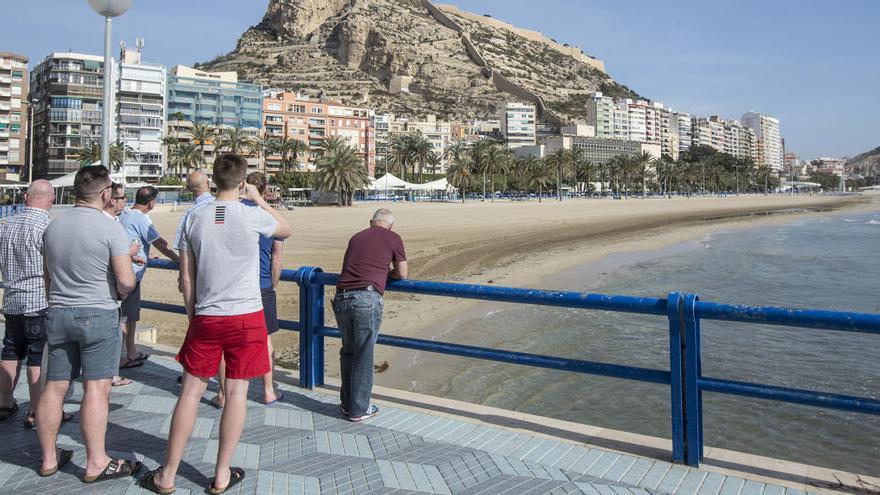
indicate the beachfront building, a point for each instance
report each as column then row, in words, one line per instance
column 657, row 126
column 680, row 129
column 289, row 115
column 708, row 132
column 438, row 132
column 633, row 113
column 216, row 99
column 518, row 124
column 13, row 116
column 140, row 114
column 768, row 139
column 596, row 149
column 67, row 89
column 739, row 140
column 600, row 114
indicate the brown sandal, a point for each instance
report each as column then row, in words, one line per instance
column 116, row 468
column 63, row 456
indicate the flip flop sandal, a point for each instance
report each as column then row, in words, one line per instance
column 63, row 456
column 148, row 482
column 236, row 475
column 121, row 382
column 142, row 357
column 278, row 397
column 215, row 404
column 131, row 363
column 8, row 412
column 30, row 421
column 116, row 468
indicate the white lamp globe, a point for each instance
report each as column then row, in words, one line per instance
column 110, row 8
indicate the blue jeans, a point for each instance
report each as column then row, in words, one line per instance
column 359, row 315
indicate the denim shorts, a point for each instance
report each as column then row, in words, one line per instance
column 82, row 341
column 25, row 338
column 130, row 309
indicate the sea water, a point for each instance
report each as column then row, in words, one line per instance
column 828, row 262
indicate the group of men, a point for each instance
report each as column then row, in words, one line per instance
column 73, row 289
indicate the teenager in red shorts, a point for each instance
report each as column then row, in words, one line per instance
column 219, row 272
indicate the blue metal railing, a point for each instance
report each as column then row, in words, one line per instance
column 683, row 312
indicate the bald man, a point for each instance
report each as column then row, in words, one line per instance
column 24, row 300
column 197, row 184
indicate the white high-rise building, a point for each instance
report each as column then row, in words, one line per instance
column 739, row 140
column 518, row 124
column 635, row 119
column 680, row 127
column 600, row 114
column 768, row 139
column 140, row 114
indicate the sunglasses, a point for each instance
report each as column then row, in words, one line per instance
column 117, row 197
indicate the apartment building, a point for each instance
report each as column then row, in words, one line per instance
column 739, row 140
column 680, row 130
column 601, row 114
column 768, row 139
column 140, row 114
column 67, row 89
column 636, row 114
column 441, row 134
column 13, row 116
column 217, row 99
column 708, row 132
column 518, row 124
column 599, row 150
column 295, row 116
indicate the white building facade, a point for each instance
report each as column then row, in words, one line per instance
column 140, row 115
column 518, row 124
column 768, row 139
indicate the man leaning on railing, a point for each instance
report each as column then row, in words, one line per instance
column 358, row 306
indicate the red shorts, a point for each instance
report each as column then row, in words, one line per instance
column 240, row 339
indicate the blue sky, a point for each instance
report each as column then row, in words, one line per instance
column 814, row 65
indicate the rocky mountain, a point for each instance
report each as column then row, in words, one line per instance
column 867, row 164
column 413, row 58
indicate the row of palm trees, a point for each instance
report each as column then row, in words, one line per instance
column 702, row 169
column 185, row 155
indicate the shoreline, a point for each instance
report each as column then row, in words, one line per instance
column 571, row 264
column 520, row 244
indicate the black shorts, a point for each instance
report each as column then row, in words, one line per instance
column 25, row 338
column 270, row 309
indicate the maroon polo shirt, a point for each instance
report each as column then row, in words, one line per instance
column 368, row 258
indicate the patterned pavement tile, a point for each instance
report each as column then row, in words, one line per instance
column 304, row 446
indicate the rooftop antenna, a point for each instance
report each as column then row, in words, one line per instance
column 139, row 44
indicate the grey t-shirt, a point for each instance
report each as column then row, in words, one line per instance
column 77, row 247
column 224, row 237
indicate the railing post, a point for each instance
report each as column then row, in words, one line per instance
column 692, row 392
column 675, row 313
column 311, row 317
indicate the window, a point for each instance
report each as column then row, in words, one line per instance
column 275, row 106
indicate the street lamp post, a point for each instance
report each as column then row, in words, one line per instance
column 108, row 9
column 31, row 105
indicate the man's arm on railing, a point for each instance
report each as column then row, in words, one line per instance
column 277, row 253
column 188, row 282
column 125, row 279
column 400, row 271
column 162, row 245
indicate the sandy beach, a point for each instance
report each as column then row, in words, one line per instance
column 506, row 243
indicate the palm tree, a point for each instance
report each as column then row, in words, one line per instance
column 762, row 174
column 400, row 153
column 257, row 146
column 169, row 142
column 340, row 170
column 119, row 152
column 641, row 165
column 420, row 151
column 584, row 173
column 186, row 156
column 202, row 133
column 564, row 161
column 493, row 158
column 232, row 139
column 540, row 176
column 665, row 174
column 288, row 148
column 461, row 175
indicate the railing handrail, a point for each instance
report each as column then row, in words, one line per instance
column 684, row 312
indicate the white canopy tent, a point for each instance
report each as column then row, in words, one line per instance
column 437, row 185
column 389, row 181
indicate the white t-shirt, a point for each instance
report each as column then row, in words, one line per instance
column 224, row 237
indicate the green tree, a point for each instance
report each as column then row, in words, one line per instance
column 91, row 153
column 186, row 156
column 491, row 158
column 341, row 171
column 233, row 140
column 541, row 175
column 400, row 154
column 642, row 165
column 460, row 175
column 564, row 162
column 584, row 172
column 289, row 149
column 202, row 134
column 422, row 152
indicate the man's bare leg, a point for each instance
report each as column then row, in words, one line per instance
column 129, row 332
column 34, row 389
column 268, row 382
column 49, row 412
column 183, row 421
column 9, row 371
column 231, row 425
column 94, row 412
column 220, row 399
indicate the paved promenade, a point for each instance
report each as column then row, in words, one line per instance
column 304, row 446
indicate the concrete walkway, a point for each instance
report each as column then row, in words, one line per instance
column 304, row 446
